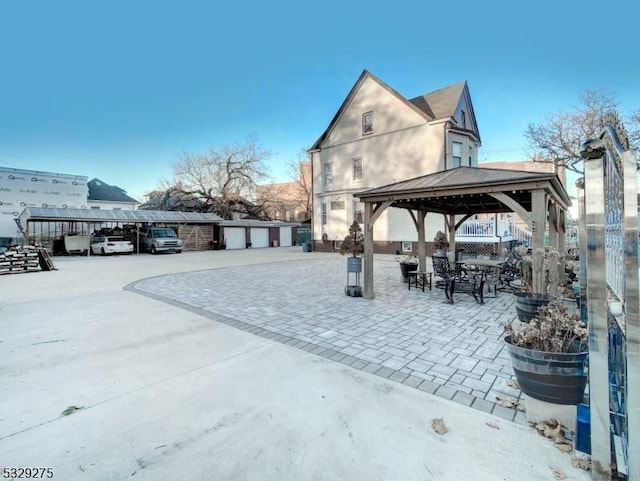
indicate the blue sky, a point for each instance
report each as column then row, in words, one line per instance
column 118, row 90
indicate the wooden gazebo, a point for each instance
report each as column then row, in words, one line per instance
column 463, row 192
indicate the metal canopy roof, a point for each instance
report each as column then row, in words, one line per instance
column 466, row 190
column 97, row 215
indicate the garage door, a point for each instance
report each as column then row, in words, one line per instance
column 259, row 237
column 285, row 236
column 235, row 237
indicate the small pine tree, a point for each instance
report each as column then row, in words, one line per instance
column 440, row 240
column 353, row 243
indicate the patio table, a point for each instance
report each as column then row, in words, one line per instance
column 489, row 269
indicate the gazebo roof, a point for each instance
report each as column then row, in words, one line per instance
column 465, row 190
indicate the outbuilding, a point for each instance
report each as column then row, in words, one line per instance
column 55, row 228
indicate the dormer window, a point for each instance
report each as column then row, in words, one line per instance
column 367, row 123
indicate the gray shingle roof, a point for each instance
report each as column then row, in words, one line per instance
column 442, row 103
column 101, row 191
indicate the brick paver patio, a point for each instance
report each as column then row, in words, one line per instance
column 409, row 336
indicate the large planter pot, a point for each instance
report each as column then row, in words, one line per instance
column 527, row 304
column 354, row 264
column 554, row 377
column 405, row 268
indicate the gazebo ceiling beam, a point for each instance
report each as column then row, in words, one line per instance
column 436, row 193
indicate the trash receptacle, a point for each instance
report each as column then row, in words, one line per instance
column 306, row 247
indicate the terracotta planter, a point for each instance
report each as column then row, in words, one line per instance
column 554, row 377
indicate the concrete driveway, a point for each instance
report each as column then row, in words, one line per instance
column 158, row 391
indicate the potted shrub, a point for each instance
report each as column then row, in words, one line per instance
column 440, row 243
column 549, row 353
column 353, row 244
column 408, row 264
column 528, row 299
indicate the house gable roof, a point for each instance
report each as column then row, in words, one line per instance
column 444, row 104
column 101, row 191
column 365, row 75
column 440, row 104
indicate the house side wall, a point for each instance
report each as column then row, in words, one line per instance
column 390, row 114
column 403, row 144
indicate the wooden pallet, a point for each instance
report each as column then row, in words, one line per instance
column 46, row 264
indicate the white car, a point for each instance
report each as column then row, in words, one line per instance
column 111, row 244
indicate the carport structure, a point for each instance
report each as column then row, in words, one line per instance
column 538, row 198
column 43, row 224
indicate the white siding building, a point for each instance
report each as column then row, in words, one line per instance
column 378, row 137
column 30, row 188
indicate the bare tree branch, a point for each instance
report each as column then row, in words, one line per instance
column 558, row 139
column 222, row 180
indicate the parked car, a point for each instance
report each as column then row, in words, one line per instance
column 160, row 239
column 111, row 244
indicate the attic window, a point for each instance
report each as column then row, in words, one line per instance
column 98, row 182
column 367, row 123
column 464, row 120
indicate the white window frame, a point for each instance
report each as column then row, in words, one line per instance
column 358, row 211
column 357, row 169
column 327, row 176
column 367, row 123
column 456, row 148
column 323, row 213
column 407, row 246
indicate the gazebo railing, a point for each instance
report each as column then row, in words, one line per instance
column 492, row 229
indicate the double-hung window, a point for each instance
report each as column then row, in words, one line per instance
column 358, row 212
column 357, row 168
column 367, row 123
column 456, row 153
column 327, row 176
column 324, row 213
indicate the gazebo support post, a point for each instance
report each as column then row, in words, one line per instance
column 367, row 291
column 450, row 220
column 422, row 248
column 371, row 214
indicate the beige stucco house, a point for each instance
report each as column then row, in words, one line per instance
column 378, row 137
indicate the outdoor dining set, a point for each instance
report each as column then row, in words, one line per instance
column 471, row 274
